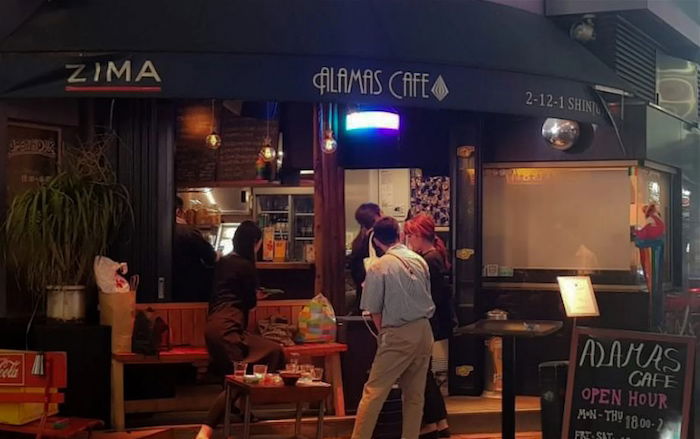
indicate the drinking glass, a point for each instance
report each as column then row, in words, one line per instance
column 260, row 370
column 291, row 367
column 317, row 374
column 239, row 368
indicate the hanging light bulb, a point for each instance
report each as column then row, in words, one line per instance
column 280, row 151
column 213, row 140
column 267, row 152
column 329, row 145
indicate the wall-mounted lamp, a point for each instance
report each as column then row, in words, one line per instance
column 383, row 120
column 561, row 134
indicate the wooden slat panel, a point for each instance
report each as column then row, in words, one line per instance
column 295, row 314
column 187, row 324
column 175, row 322
column 200, row 325
column 286, row 312
column 172, row 305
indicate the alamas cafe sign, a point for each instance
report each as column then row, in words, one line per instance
column 399, row 84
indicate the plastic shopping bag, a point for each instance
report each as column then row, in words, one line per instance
column 108, row 275
column 317, row 322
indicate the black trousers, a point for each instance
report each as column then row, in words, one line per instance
column 434, row 407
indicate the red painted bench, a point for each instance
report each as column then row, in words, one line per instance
column 187, row 322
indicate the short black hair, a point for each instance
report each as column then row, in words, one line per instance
column 366, row 214
column 179, row 204
column 386, row 230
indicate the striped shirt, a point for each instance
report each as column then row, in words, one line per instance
column 397, row 286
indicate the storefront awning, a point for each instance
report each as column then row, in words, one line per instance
column 451, row 54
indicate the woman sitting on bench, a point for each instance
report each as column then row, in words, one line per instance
column 235, row 294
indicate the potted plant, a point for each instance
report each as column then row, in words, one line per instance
column 54, row 231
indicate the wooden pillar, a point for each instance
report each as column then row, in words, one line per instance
column 3, row 201
column 329, row 208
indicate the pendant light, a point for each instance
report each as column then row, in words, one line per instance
column 213, row 140
column 328, row 144
column 268, row 152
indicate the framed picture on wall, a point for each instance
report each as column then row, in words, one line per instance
column 33, row 155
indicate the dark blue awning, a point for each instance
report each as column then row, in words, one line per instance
column 456, row 54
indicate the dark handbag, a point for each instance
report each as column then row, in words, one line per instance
column 151, row 334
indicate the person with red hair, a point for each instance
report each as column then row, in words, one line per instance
column 421, row 238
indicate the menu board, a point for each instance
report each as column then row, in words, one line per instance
column 628, row 385
column 32, row 156
column 194, row 162
column 241, row 141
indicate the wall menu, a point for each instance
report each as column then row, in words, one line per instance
column 32, row 156
column 628, row 385
column 241, row 141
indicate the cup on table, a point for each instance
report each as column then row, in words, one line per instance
column 317, row 374
column 239, row 368
column 260, row 370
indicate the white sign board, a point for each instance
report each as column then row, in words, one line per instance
column 578, row 296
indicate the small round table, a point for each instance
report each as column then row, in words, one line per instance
column 508, row 330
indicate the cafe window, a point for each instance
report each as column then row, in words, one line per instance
column 542, row 222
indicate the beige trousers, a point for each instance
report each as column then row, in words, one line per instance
column 403, row 355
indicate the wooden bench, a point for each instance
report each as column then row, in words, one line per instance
column 187, row 322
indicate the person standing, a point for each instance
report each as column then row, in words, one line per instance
column 421, row 238
column 397, row 295
column 193, row 260
column 235, row 295
column 365, row 215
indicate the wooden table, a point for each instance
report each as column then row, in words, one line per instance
column 330, row 352
column 56, row 427
column 264, row 394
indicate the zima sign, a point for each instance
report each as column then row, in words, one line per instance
column 113, row 76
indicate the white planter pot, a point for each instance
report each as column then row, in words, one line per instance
column 65, row 302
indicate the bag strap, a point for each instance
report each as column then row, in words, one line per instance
column 407, row 265
column 372, row 251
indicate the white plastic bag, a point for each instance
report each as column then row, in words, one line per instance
column 108, row 275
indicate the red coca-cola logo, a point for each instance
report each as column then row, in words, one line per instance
column 11, row 369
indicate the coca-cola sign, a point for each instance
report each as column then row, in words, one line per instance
column 11, row 369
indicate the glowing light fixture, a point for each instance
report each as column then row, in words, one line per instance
column 329, row 145
column 267, row 152
column 372, row 120
column 213, row 140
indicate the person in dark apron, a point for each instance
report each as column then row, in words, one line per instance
column 235, row 294
column 365, row 215
column 421, row 238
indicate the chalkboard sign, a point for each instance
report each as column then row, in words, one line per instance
column 628, row 385
column 32, row 156
column 241, row 141
column 194, row 162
